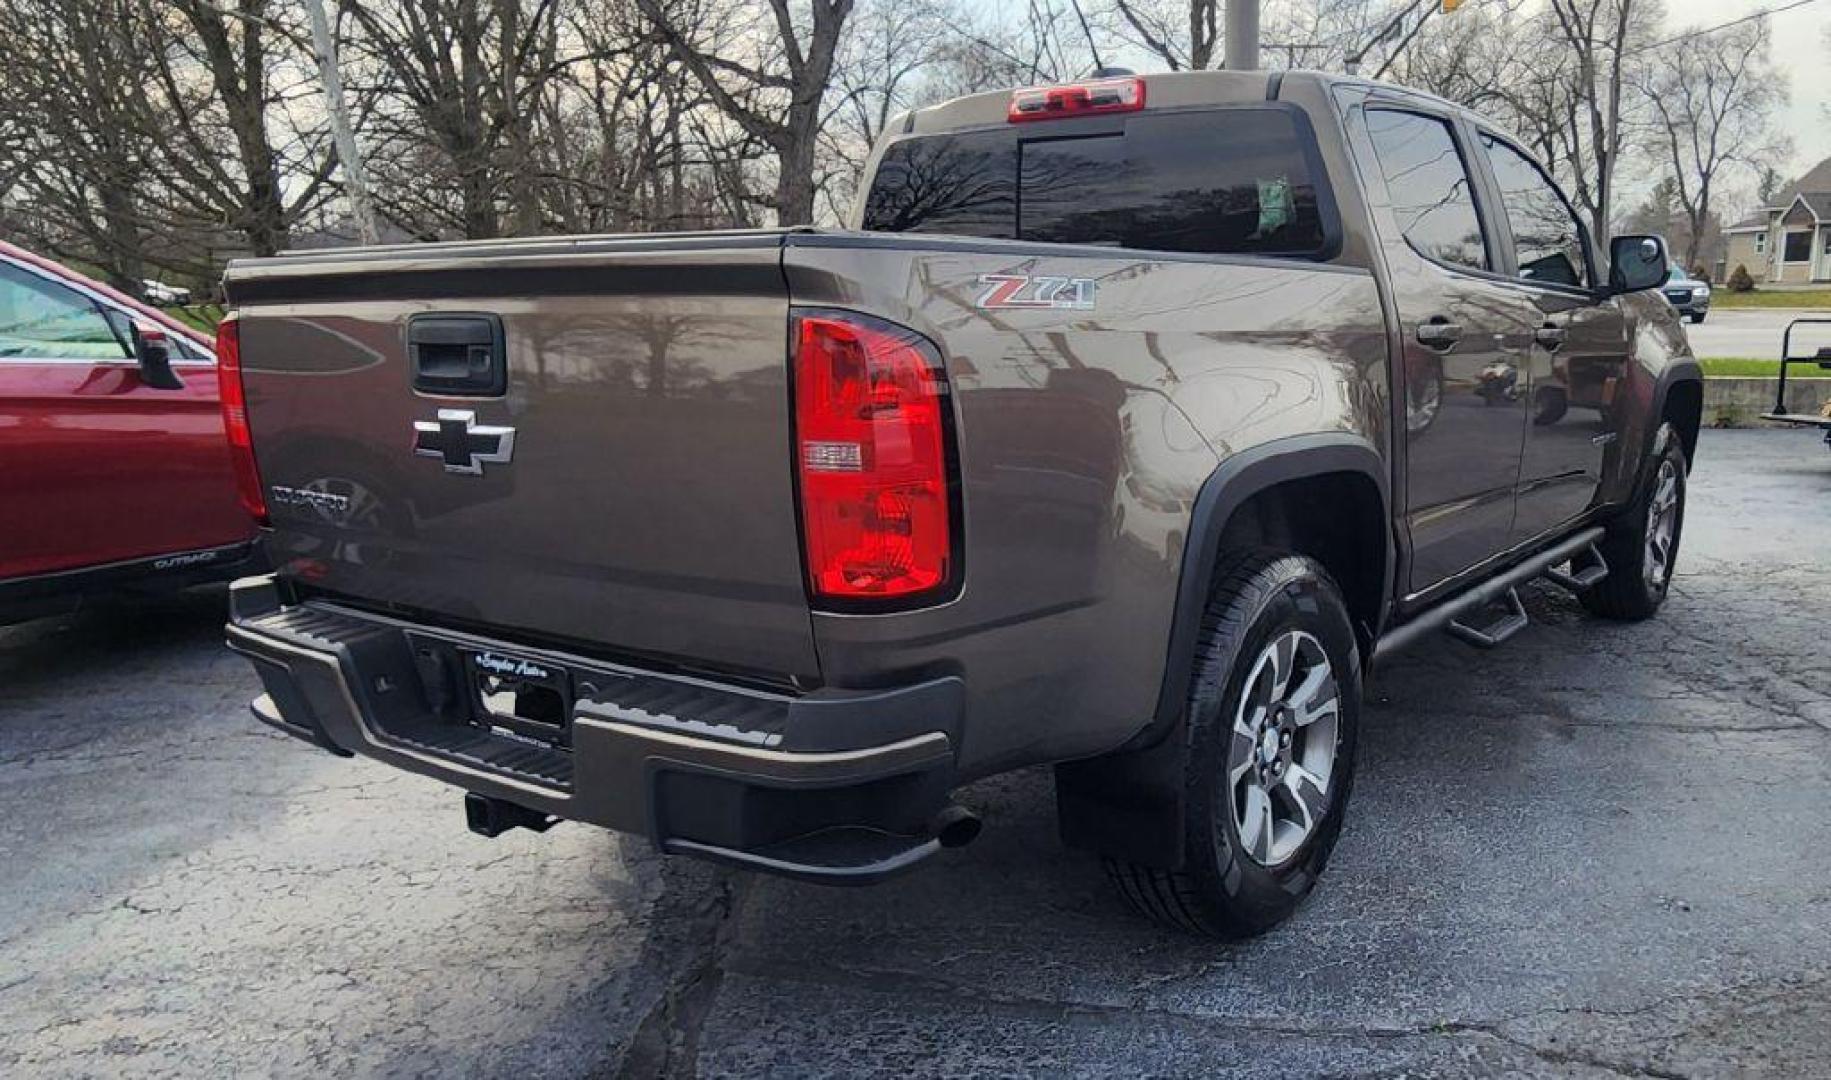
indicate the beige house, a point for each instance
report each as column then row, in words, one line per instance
column 1789, row 243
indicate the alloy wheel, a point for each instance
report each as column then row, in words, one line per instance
column 1282, row 754
column 1662, row 526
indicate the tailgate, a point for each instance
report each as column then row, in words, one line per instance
column 627, row 485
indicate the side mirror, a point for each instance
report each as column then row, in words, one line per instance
column 1637, row 263
column 153, row 352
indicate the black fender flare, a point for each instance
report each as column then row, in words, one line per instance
column 1128, row 803
column 1229, row 487
column 1629, row 478
column 1680, row 370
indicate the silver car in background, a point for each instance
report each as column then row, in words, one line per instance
column 1689, row 295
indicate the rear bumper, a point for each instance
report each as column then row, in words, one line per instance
column 832, row 786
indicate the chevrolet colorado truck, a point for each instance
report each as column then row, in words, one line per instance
column 1097, row 439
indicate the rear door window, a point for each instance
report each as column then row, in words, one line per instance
column 1230, row 181
column 1428, row 184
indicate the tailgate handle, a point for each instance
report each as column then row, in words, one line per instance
column 457, row 354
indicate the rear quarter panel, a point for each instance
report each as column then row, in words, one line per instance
column 1084, row 438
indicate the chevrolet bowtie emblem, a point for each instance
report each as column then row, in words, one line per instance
column 463, row 444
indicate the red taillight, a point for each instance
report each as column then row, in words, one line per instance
column 1077, row 99
column 871, row 444
column 235, row 417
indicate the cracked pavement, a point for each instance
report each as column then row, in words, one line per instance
column 1601, row 850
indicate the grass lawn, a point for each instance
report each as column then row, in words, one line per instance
column 1760, row 369
column 202, row 316
column 1770, row 298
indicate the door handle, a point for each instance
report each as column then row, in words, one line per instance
column 1551, row 337
column 1439, row 333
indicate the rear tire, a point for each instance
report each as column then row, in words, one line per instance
column 1549, row 405
column 1641, row 546
column 1271, row 724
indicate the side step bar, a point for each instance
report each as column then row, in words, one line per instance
column 1497, row 632
column 1577, row 580
column 1451, row 614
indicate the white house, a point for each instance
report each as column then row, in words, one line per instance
column 1789, row 242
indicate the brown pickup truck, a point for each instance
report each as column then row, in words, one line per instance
column 1123, row 428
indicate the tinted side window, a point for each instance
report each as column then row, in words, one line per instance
column 1225, row 182
column 1429, row 185
column 1229, row 181
column 1546, row 234
column 40, row 319
column 961, row 184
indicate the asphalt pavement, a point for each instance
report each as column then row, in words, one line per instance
column 1753, row 333
column 1601, row 850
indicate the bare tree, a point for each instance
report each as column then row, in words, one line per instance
column 1474, row 58
column 1770, row 182
column 223, row 82
column 1184, row 34
column 1824, row 107
column 1712, row 98
column 996, row 52
column 635, row 143
column 70, row 73
column 878, row 75
column 765, row 70
column 459, row 85
column 1579, row 106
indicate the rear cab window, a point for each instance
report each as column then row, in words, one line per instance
column 1242, row 180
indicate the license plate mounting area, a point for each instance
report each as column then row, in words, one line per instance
column 519, row 697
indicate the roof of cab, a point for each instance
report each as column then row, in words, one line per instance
column 1171, row 89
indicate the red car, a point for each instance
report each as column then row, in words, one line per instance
column 118, row 471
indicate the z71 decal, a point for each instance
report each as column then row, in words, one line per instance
column 1007, row 291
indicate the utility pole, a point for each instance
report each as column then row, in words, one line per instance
column 1242, row 44
column 349, row 155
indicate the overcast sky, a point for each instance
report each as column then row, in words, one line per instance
column 1802, row 55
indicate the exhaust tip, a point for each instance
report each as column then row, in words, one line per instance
column 955, row 826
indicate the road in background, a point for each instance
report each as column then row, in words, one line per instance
column 1753, row 333
column 1600, row 850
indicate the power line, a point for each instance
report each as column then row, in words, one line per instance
column 1723, row 26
